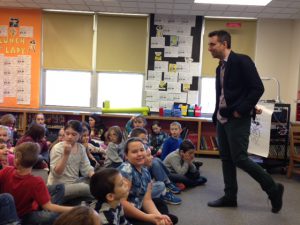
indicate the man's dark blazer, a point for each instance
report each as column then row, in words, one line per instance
column 242, row 86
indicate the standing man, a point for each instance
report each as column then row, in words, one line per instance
column 238, row 89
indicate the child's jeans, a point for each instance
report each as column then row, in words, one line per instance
column 8, row 213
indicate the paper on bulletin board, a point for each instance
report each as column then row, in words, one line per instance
column 161, row 66
column 154, row 75
column 163, row 95
column 170, row 76
column 153, row 105
column 157, row 42
column 259, row 140
column 152, row 95
column 185, row 20
column 151, row 85
column 186, row 78
column 166, row 104
column 185, row 51
column 183, row 30
column 185, row 41
column 26, row 31
column 183, row 67
column 174, row 87
column 171, row 52
column 192, row 98
column 180, row 97
column 3, row 31
column 195, row 69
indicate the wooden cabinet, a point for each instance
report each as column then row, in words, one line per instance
column 197, row 128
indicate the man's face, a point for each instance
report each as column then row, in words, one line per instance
column 216, row 48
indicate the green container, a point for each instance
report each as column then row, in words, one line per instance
column 190, row 112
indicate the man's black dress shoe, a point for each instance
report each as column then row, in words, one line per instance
column 276, row 198
column 223, row 202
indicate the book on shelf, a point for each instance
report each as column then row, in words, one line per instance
column 208, row 142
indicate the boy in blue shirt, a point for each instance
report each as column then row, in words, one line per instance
column 172, row 143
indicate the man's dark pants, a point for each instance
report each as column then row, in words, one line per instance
column 233, row 140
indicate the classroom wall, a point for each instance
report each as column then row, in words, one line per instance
column 277, row 55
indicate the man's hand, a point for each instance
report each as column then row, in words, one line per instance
column 236, row 114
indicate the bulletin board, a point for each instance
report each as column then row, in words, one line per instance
column 173, row 61
column 20, row 42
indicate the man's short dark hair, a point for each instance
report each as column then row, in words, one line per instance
column 27, row 153
column 103, row 183
column 222, row 35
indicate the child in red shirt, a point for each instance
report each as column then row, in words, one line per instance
column 29, row 192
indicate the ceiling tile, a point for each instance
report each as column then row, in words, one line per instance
column 128, row 4
column 249, row 14
column 197, row 12
column 289, row 10
column 93, row 3
column 182, row 6
column 278, row 4
column 265, row 15
column 184, row 1
column 30, row 5
column 254, row 9
column 164, row 6
column 130, row 10
column 47, row 6
column 214, row 13
column 282, row 16
column 113, row 9
column 271, row 10
column 99, row 8
column 146, row 5
column 180, row 12
column 12, row 4
column 76, row 2
column 42, row 1
column 64, row 7
column 81, row 7
column 218, row 7
column 111, row 4
column 231, row 14
column 147, row 10
column 163, row 11
column 235, row 8
column 61, row 2
column 170, row 1
column 295, row 5
column 200, row 6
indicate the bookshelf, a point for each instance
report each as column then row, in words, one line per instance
column 196, row 126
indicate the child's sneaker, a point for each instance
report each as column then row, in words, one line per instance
column 171, row 187
column 170, row 198
column 181, row 186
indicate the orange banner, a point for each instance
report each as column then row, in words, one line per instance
column 20, row 57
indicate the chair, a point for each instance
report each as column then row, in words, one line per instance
column 294, row 150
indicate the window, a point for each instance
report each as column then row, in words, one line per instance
column 208, row 95
column 67, row 88
column 123, row 90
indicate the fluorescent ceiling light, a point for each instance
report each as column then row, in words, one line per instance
column 235, row 2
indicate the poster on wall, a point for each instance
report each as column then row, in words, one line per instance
column 174, row 60
column 20, row 57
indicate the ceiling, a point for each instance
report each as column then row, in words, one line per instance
column 280, row 9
